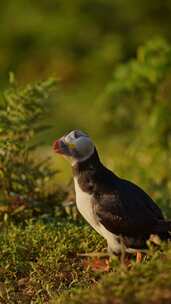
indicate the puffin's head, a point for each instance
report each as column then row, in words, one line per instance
column 76, row 146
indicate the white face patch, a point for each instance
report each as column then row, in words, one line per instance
column 84, row 147
column 80, row 145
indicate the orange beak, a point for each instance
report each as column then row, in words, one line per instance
column 57, row 146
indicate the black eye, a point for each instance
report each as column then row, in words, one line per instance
column 76, row 134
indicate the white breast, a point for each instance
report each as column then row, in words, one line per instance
column 84, row 205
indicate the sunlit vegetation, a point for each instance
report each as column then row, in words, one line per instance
column 107, row 70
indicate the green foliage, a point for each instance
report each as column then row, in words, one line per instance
column 41, row 260
column 136, row 108
column 136, row 91
column 146, row 283
column 23, row 180
column 83, row 40
column 42, row 263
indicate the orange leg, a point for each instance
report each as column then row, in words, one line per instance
column 97, row 264
column 138, row 257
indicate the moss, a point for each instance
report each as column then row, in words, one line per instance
column 41, row 263
column 148, row 282
column 42, row 259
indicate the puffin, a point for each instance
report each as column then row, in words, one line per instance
column 118, row 209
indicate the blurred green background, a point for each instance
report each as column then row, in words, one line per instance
column 80, row 41
column 112, row 60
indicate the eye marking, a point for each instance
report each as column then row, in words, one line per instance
column 78, row 133
column 74, row 135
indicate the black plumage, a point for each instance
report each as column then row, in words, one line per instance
column 117, row 209
column 120, row 206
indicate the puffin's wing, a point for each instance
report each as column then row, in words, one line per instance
column 128, row 210
column 138, row 198
column 115, row 219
